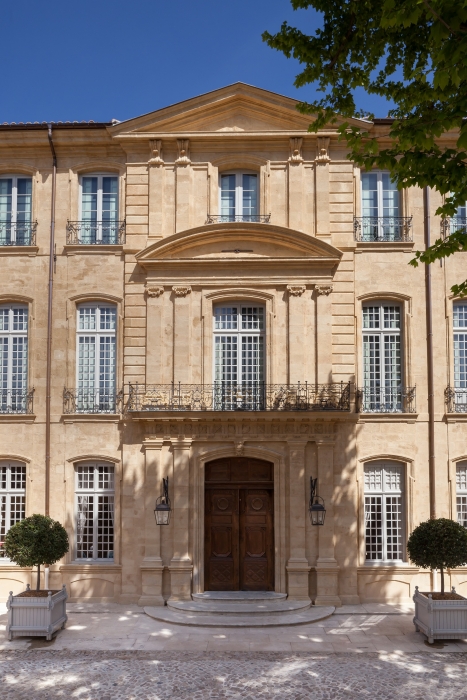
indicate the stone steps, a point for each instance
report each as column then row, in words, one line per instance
column 226, row 607
column 192, row 619
column 239, row 596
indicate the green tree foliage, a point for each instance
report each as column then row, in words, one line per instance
column 36, row 540
column 438, row 544
column 413, row 53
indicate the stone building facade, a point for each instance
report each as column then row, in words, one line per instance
column 232, row 309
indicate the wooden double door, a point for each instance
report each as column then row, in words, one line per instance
column 239, row 526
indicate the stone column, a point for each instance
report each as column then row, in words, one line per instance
column 151, row 566
column 324, row 333
column 298, row 568
column 327, row 570
column 181, row 565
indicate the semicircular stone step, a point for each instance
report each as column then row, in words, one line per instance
column 239, row 596
column 250, row 607
column 191, row 619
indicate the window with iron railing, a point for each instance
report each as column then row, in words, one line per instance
column 238, row 197
column 384, row 514
column 16, row 226
column 98, row 222
column 381, row 218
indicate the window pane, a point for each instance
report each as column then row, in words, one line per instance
column 109, row 209
column 252, row 318
column 373, row 478
column 460, row 316
column 393, row 527
column 6, row 197
column 252, row 358
column 226, row 318
column 392, row 317
column 461, row 505
column 228, row 197
column 225, row 358
column 89, row 199
column 20, row 319
column 3, row 478
column 461, row 477
column 87, row 318
column 24, row 200
column 105, row 477
column 85, row 477
column 105, row 527
column 371, row 316
column 4, row 318
column 460, row 360
column 108, row 317
column 85, row 527
column 18, row 477
column 390, row 197
column 373, row 527
column 86, row 362
column 369, row 194
column 250, row 196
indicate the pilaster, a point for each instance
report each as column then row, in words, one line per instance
column 181, row 565
column 323, row 333
column 327, row 569
column 298, row 568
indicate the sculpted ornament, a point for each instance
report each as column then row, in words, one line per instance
column 155, row 146
column 154, row 291
column 296, row 150
column 183, row 151
column 323, row 289
column 296, row 290
column 323, row 149
column 181, row 291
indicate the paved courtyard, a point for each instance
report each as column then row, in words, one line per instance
column 112, row 652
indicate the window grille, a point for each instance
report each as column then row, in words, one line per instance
column 99, row 209
column 12, row 498
column 461, row 493
column 384, row 520
column 239, row 197
column 15, row 210
column 96, row 358
column 13, row 358
column 95, row 494
column 382, row 363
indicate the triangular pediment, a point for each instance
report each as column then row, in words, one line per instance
column 236, row 108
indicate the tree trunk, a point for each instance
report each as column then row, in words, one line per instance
column 38, row 584
column 442, row 580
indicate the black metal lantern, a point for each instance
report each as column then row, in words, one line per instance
column 316, row 507
column 163, row 510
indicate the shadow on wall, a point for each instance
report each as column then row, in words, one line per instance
column 91, row 588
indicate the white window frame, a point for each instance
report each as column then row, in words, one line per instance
column 14, row 207
column 96, row 399
column 386, row 393
column 459, row 339
column 100, row 225
column 94, row 492
column 239, row 213
column 379, row 189
column 389, row 494
column 7, row 494
column 461, row 493
column 15, row 400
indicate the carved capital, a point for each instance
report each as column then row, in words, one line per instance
column 296, row 150
column 183, row 151
column 155, row 147
column 181, row 291
column 154, row 291
column 323, row 149
column 296, row 290
column 323, row 289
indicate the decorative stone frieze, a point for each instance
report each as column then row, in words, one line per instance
column 296, row 150
column 323, row 289
column 237, row 430
column 154, row 291
column 323, row 149
column 181, row 291
column 296, row 290
column 183, row 151
column 155, row 146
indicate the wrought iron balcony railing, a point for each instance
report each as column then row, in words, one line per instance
column 16, row 401
column 456, row 400
column 18, row 234
column 385, row 399
column 452, row 225
column 248, row 218
column 250, row 396
column 95, row 232
column 392, row 229
column 92, row 401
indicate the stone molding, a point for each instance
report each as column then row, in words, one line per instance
column 181, row 291
column 154, row 291
column 179, row 431
column 183, row 146
column 296, row 150
column 296, row 290
column 323, row 149
column 155, row 147
column 324, row 289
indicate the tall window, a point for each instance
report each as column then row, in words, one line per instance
column 239, row 339
column 99, row 209
column 384, row 531
column 380, row 207
column 382, row 367
column 15, row 210
column 460, row 355
column 239, row 197
column 12, row 497
column 13, row 358
column 96, row 358
column 459, row 221
column 95, row 493
column 461, row 493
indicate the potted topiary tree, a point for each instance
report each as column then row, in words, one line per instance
column 441, row 544
column 36, row 541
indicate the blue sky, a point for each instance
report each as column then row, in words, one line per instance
column 102, row 60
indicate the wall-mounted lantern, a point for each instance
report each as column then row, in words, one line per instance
column 163, row 510
column 316, row 507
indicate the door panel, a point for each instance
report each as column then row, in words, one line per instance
column 221, row 540
column 256, row 540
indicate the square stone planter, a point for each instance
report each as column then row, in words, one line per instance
column 36, row 616
column 440, row 619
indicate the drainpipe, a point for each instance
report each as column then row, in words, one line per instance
column 430, row 366
column 48, row 380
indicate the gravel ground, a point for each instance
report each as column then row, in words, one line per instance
column 104, row 675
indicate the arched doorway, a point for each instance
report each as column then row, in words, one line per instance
column 239, row 525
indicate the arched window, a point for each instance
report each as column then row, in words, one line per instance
column 95, row 494
column 384, row 515
column 239, row 364
column 239, row 196
column 461, row 493
column 13, row 358
column 382, row 360
column 12, row 497
column 96, row 357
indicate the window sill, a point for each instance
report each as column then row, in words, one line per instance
column 456, row 417
column 93, row 249
column 384, row 417
column 17, row 417
column 91, row 418
column 84, row 566
column 373, row 246
column 28, row 250
column 382, row 567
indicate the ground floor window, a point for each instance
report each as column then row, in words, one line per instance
column 95, row 493
column 12, row 497
column 384, row 515
column 461, row 493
